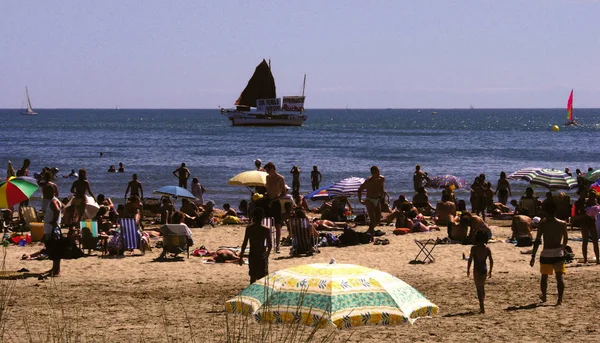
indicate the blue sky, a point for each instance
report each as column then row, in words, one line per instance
column 360, row 54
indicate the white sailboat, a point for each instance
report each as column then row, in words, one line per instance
column 29, row 111
column 259, row 106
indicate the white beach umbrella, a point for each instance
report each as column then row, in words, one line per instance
column 521, row 173
column 347, row 186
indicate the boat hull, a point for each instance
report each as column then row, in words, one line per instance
column 275, row 119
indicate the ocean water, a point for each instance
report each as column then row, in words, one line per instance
column 342, row 143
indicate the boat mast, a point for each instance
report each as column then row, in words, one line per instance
column 304, row 85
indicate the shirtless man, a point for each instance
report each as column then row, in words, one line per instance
column 375, row 191
column 182, row 174
column 552, row 257
column 521, row 226
column 458, row 232
column 419, row 177
column 80, row 187
column 135, row 186
column 445, row 211
column 275, row 191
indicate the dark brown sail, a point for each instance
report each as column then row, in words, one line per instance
column 260, row 86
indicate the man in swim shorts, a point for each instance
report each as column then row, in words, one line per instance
column 552, row 258
column 375, row 191
column 275, row 191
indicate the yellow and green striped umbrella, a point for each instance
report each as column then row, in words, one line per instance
column 16, row 189
column 342, row 295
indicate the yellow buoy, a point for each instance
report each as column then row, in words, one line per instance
column 555, row 128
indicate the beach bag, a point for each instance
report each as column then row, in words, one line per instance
column 524, row 242
column 115, row 245
column 231, row 220
column 349, row 237
column 364, row 238
column 401, row 231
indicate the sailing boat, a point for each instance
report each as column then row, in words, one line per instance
column 29, row 111
column 570, row 119
column 258, row 104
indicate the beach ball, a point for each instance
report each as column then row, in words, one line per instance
column 555, row 128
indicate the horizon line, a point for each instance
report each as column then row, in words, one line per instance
column 310, row 108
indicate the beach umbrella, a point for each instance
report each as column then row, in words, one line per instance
column 16, row 189
column 521, row 173
column 175, row 191
column 342, row 295
column 551, row 179
column 91, row 207
column 441, row 181
column 592, row 176
column 320, row 194
column 347, row 186
column 251, row 178
column 595, row 187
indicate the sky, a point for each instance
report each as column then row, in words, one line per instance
column 356, row 54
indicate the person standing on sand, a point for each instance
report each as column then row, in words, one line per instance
column 315, row 178
column 419, row 177
column 295, row 180
column 24, row 171
column 258, row 258
column 374, row 185
column 479, row 255
column 198, row 191
column 272, row 207
column 80, row 187
column 54, row 240
column 552, row 257
column 135, row 186
column 589, row 227
column 182, row 173
column 503, row 189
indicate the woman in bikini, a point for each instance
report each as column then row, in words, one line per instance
column 503, row 189
column 479, row 255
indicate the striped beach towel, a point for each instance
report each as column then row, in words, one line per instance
column 130, row 233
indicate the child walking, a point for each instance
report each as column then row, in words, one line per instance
column 479, row 255
column 258, row 257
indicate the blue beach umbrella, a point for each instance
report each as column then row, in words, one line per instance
column 175, row 191
column 320, row 194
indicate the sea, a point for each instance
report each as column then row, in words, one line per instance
column 341, row 142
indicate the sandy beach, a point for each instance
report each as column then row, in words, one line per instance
column 127, row 299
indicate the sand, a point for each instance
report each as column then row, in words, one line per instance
column 126, row 299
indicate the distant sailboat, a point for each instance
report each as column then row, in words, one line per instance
column 570, row 118
column 29, row 111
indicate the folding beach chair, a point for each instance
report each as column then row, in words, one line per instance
column 303, row 242
column 30, row 216
column 361, row 213
column 426, row 247
column 130, row 234
column 89, row 234
column 530, row 205
column 175, row 239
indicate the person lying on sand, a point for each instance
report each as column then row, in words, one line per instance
column 223, row 256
